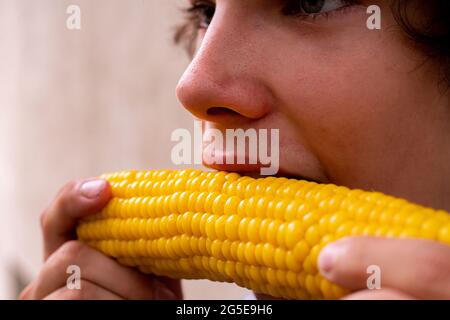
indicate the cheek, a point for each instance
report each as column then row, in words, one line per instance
column 350, row 101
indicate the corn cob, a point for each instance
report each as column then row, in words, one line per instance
column 263, row 234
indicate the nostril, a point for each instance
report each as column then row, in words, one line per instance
column 220, row 111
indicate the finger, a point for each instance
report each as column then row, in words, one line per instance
column 75, row 201
column 99, row 269
column 87, row 291
column 174, row 285
column 26, row 293
column 382, row 294
column 417, row 267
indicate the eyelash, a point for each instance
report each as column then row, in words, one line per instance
column 289, row 10
column 199, row 10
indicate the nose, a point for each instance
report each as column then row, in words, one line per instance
column 224, row 82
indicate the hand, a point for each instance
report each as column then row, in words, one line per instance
column 101, row 276
column 410, row 269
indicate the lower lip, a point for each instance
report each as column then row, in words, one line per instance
column 246, row 166
column 252, row 171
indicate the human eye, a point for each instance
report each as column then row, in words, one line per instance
column 314, row 7
column 201, row 13
column 198, row 17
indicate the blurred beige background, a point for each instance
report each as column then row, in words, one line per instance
column 79, row 103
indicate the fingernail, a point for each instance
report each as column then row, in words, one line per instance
column 92, row 189
column 329, row 256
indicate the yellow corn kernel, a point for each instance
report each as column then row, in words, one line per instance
column 264, row 234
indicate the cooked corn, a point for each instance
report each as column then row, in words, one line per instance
column 263, row 234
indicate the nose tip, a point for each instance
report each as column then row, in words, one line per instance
column 209, row 99
column 225, row 81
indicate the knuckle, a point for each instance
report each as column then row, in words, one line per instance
column 352, row 260
column 64, row 196
column 354, row 254
column 433, row 266
column 68, row 253
column 72, row 249
column 59, row 203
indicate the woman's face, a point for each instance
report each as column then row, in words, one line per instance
column 354, row 106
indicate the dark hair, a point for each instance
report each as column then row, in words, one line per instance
column 426, row 23
column 185, row 34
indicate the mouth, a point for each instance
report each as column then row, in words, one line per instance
column 297, row 177
column 282, row 174
column 253, row 171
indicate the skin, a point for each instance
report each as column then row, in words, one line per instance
column 102, row 278
column 356, row 107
